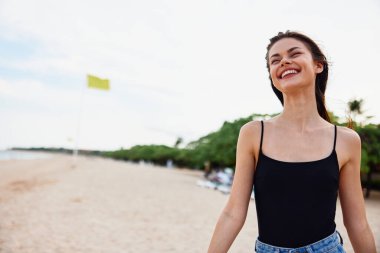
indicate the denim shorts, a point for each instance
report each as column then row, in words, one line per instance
column 330, row 244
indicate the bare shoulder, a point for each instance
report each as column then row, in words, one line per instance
column 252, row 126
column 348, row 144
column 251, row 131
column 348, row 136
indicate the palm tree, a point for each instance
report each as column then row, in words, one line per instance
column 355, row 108
column 178, row 142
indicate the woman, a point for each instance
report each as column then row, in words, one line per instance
column 297, row 165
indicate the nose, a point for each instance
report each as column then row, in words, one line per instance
column 284, row 61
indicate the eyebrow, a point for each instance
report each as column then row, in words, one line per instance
column 289, row 50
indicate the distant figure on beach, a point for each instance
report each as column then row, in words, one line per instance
column 297, row 162
column 169, row 164
column 207, row 169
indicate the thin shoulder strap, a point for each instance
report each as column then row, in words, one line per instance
column 334, row 136
column 262, row 132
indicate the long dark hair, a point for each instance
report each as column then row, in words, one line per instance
column 321, row 78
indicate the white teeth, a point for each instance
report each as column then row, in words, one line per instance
column 290, row 71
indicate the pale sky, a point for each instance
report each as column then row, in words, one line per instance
column 176, row 68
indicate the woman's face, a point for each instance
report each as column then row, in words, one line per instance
column 291, row 65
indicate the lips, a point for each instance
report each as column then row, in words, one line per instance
column 288, row 72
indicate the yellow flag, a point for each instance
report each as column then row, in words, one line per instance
column 97, row 83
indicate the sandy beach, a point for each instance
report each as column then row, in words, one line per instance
column 101, row 205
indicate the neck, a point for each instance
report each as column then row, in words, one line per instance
column 300, row 111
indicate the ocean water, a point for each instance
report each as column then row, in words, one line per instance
column 22, row 155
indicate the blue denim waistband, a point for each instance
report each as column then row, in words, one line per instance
column 322, row 245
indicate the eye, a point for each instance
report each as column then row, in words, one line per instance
column 274, row 61
column 296, row 54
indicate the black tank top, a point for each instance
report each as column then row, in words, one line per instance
column 295, row 201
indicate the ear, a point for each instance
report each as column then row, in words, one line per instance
column 318, row 67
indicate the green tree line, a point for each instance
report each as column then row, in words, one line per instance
column 219, row 147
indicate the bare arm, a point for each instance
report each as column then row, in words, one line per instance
column 351, row 197
column 234, row 213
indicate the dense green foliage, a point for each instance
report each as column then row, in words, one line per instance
column 157, row 154
column 370, row 137
column 219, row 147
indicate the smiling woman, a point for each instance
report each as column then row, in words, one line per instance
column 296, row 192
column 305, row 51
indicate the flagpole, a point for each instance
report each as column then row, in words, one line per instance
column 91, row 82
column 76, row 145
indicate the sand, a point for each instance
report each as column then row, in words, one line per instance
column 102, row 205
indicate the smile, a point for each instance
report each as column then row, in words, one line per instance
column 289, row 72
